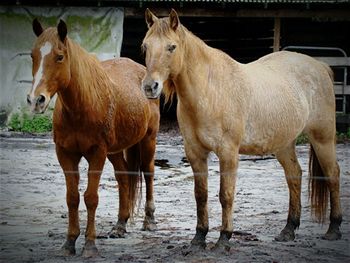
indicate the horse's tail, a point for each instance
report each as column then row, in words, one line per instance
column 318, row 188
column 133, row 158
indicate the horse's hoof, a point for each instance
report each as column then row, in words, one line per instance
column 197, row 244
column 117, row 232
column 193, row 249
column 90, row 250
column 332, row 234
column 149, row 226
column 68, row 248
column 285, row 236
column 222, row 246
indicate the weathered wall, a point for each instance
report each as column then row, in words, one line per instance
column 98, row 30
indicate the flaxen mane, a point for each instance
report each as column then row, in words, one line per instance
column 90, row 76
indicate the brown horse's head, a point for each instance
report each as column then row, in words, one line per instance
column 51, row 70
column 162, row 47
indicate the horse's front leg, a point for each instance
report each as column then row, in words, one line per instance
column 69, row 163
column 198, row 159
column 96, row 158
column 228, row 169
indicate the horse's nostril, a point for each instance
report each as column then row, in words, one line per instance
column 41, row 99
column 28, row 100
column 155, row 85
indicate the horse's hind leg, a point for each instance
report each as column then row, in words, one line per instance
column 69, row 163
column 121, row 175
column 324, row 147
column 292, row 170
column 148, row 147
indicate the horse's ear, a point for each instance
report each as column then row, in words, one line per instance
column 174, row 20
column 37, row 28
column 62, row 30
column 150, row 18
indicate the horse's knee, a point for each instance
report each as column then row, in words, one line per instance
column 91, row 200
column 226, row 198
column 73, row 200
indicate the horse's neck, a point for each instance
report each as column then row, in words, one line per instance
column 193, row 73
column 199, row 78
column 83, row 97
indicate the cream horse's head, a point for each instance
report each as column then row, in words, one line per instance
column 163, row 53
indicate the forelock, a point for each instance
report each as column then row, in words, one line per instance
column 161, row 27
column 49, row 35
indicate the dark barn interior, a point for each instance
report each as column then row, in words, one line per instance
column 244, row 29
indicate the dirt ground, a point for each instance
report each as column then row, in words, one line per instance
column 33, row 213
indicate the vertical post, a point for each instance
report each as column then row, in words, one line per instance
column 276, row 34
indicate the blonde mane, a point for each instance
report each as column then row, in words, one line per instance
column 94, row 83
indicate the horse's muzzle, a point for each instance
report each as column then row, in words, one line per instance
column 38, row 104
column 152, row 90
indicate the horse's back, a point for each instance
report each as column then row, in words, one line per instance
column 307, row 76
column 301, row 71
column 127, row 75
column 122, row 70
column 289, row 91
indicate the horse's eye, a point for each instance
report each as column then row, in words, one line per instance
column 59, row 58
column 171, row 48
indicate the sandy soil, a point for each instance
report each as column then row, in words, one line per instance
column 33, row 213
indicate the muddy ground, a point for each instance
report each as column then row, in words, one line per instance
column 33, row 213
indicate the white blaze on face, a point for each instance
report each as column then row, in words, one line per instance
column 44, row 50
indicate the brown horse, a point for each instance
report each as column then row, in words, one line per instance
column 229, row 108
column 100, row 112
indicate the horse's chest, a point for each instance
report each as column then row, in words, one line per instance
column 78, row 140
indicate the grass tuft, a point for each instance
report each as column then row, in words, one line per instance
column 24, row 122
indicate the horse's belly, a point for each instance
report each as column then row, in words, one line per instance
column 269, row 139
column 255, row 149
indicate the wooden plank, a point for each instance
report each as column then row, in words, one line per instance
column 277, row 34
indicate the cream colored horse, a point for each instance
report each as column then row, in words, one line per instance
column 258, row 108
